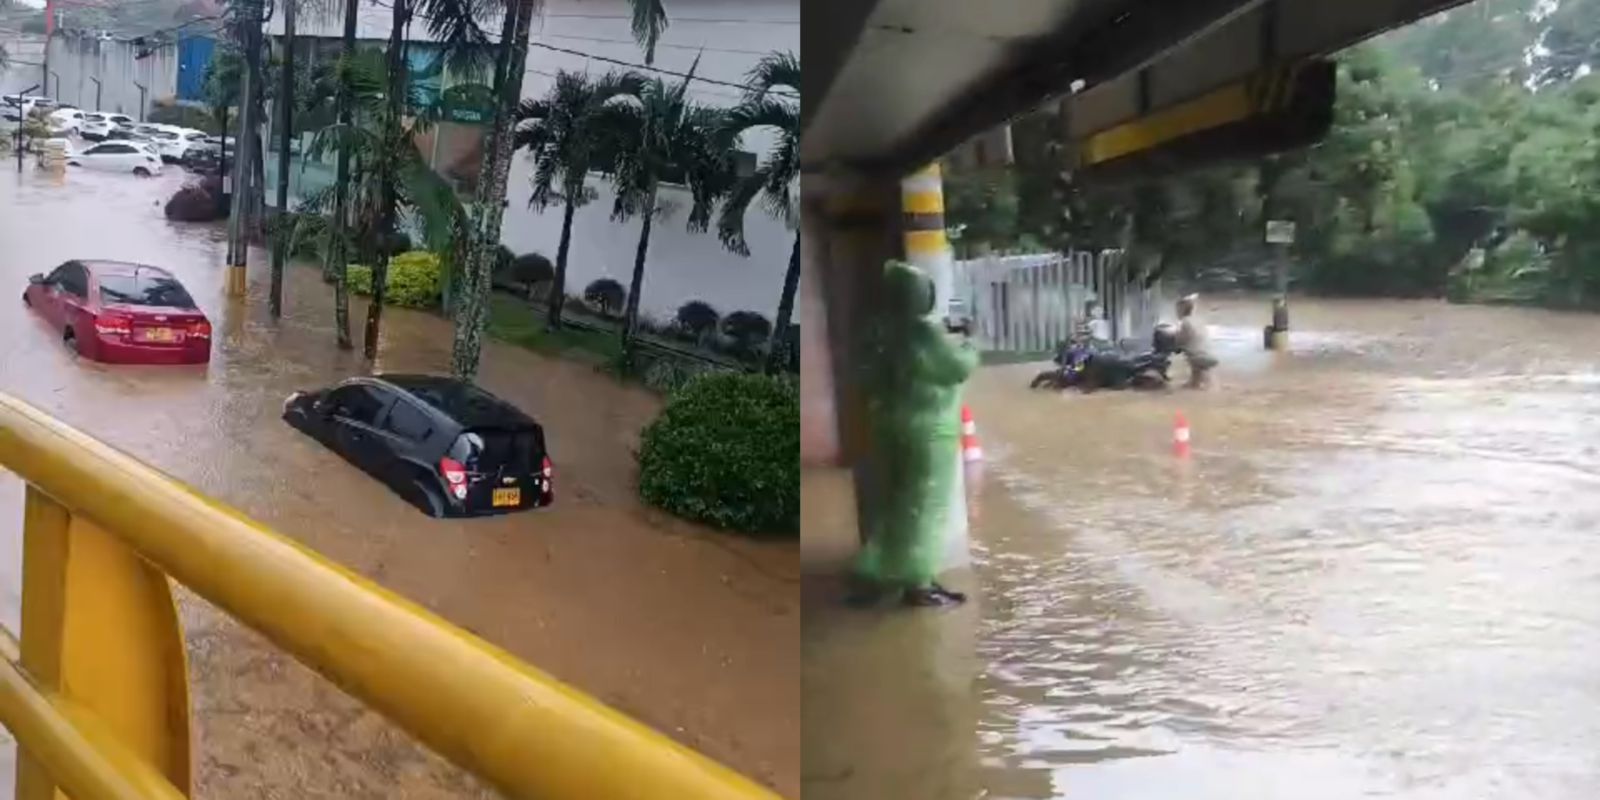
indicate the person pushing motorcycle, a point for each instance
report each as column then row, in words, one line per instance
column 1194, row 341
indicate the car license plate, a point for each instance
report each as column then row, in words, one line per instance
column 508, row 497
column 159, row 335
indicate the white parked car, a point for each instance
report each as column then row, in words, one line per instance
column 14, row 107
column 174, row 142
column 118, row 156
column 100, row 124
column 65, row 121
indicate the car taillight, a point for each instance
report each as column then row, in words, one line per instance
column 200, row 329
column 549, row 469
column 113, row 325
column 455, row 474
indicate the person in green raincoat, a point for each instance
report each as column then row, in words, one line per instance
column 912, row 375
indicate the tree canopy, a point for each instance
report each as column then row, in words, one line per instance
column 1462, row 161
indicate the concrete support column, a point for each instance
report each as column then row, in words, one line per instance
column 851, row 225
column 928, row 248
column 890, row 709
column 849, row 228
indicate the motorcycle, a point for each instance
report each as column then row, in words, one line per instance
column 1071, row 361
column 1089, row 369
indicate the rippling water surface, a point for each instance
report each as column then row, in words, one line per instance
column 1377, row 576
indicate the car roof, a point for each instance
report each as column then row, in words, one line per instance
column 459, row 400
column 109, row 267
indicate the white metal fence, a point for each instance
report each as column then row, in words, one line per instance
column 1030, row 303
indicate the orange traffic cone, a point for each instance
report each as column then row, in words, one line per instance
column 970, row 451
column 1180, row 436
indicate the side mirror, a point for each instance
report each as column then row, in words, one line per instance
column 37, row 279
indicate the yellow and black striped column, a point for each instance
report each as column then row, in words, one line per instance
column 928, row 249
column 922, row 224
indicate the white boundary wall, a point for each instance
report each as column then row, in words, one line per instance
column 1030, row 303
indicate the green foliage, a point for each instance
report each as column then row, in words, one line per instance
column 605, row 295
column 726, row 451
column 1439, row 150
column 747, row 329
column 986, row 202
column 413, row 280
column 697, row 317
column 184, row 115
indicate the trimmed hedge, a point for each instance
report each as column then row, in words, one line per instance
column 413, row 280
column 726, row 451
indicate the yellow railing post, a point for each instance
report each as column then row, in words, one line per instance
column 99, row 629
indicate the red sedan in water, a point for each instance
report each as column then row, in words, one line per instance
column 121, row 313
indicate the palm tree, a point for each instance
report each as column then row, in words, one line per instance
column 662, row 136
column 649, row 22
column 372, row 156
column 559, row 131
column 339, row 250
column 285, row 106
column 472, row 315
column 773, row 181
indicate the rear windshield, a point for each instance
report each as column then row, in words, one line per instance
column 490, row 450
column 144, row 290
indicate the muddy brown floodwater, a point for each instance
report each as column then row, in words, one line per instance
column 1378, row 575
column 693, row 632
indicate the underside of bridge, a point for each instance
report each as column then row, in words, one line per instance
column 1142, row 87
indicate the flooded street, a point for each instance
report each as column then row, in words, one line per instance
column 1376, row 577
column 693, row 632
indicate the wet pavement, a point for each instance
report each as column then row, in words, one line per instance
column 693, row 632
column 1376, row 577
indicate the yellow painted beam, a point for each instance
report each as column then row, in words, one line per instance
column 99, row 627
column 1266, row 90
column 1225, row 105
column 519, row 729
column 67, row 741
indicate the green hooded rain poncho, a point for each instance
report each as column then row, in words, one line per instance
column 912, row 376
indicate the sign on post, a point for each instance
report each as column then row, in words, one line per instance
column 1280, row 231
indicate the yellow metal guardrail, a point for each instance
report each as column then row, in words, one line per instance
column 96, row 692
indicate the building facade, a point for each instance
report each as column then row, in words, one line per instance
column 721, row 41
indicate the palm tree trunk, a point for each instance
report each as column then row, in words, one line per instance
column 393, row 134
column 778, row 354
column 558, row 287
column 630, row 318
column 472, row 318
column 341, row 192
column 280, row 244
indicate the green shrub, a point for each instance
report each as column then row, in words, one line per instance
column 413, row 280
column 726, row 451
column 187, row 116
column 667, row 375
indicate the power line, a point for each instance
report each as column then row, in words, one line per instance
column 552, row 75
column 658, row 44
column 629, row 64
column 700, row 20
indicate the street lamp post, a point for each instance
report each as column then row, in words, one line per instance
column 57, row 95
column 142, row 90
column 97, row 88
column 16, row 100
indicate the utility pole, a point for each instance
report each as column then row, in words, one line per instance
column 244, row 153
column 281, row 235
column 1279, row 235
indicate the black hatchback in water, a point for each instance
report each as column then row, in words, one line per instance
column 446, row 446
